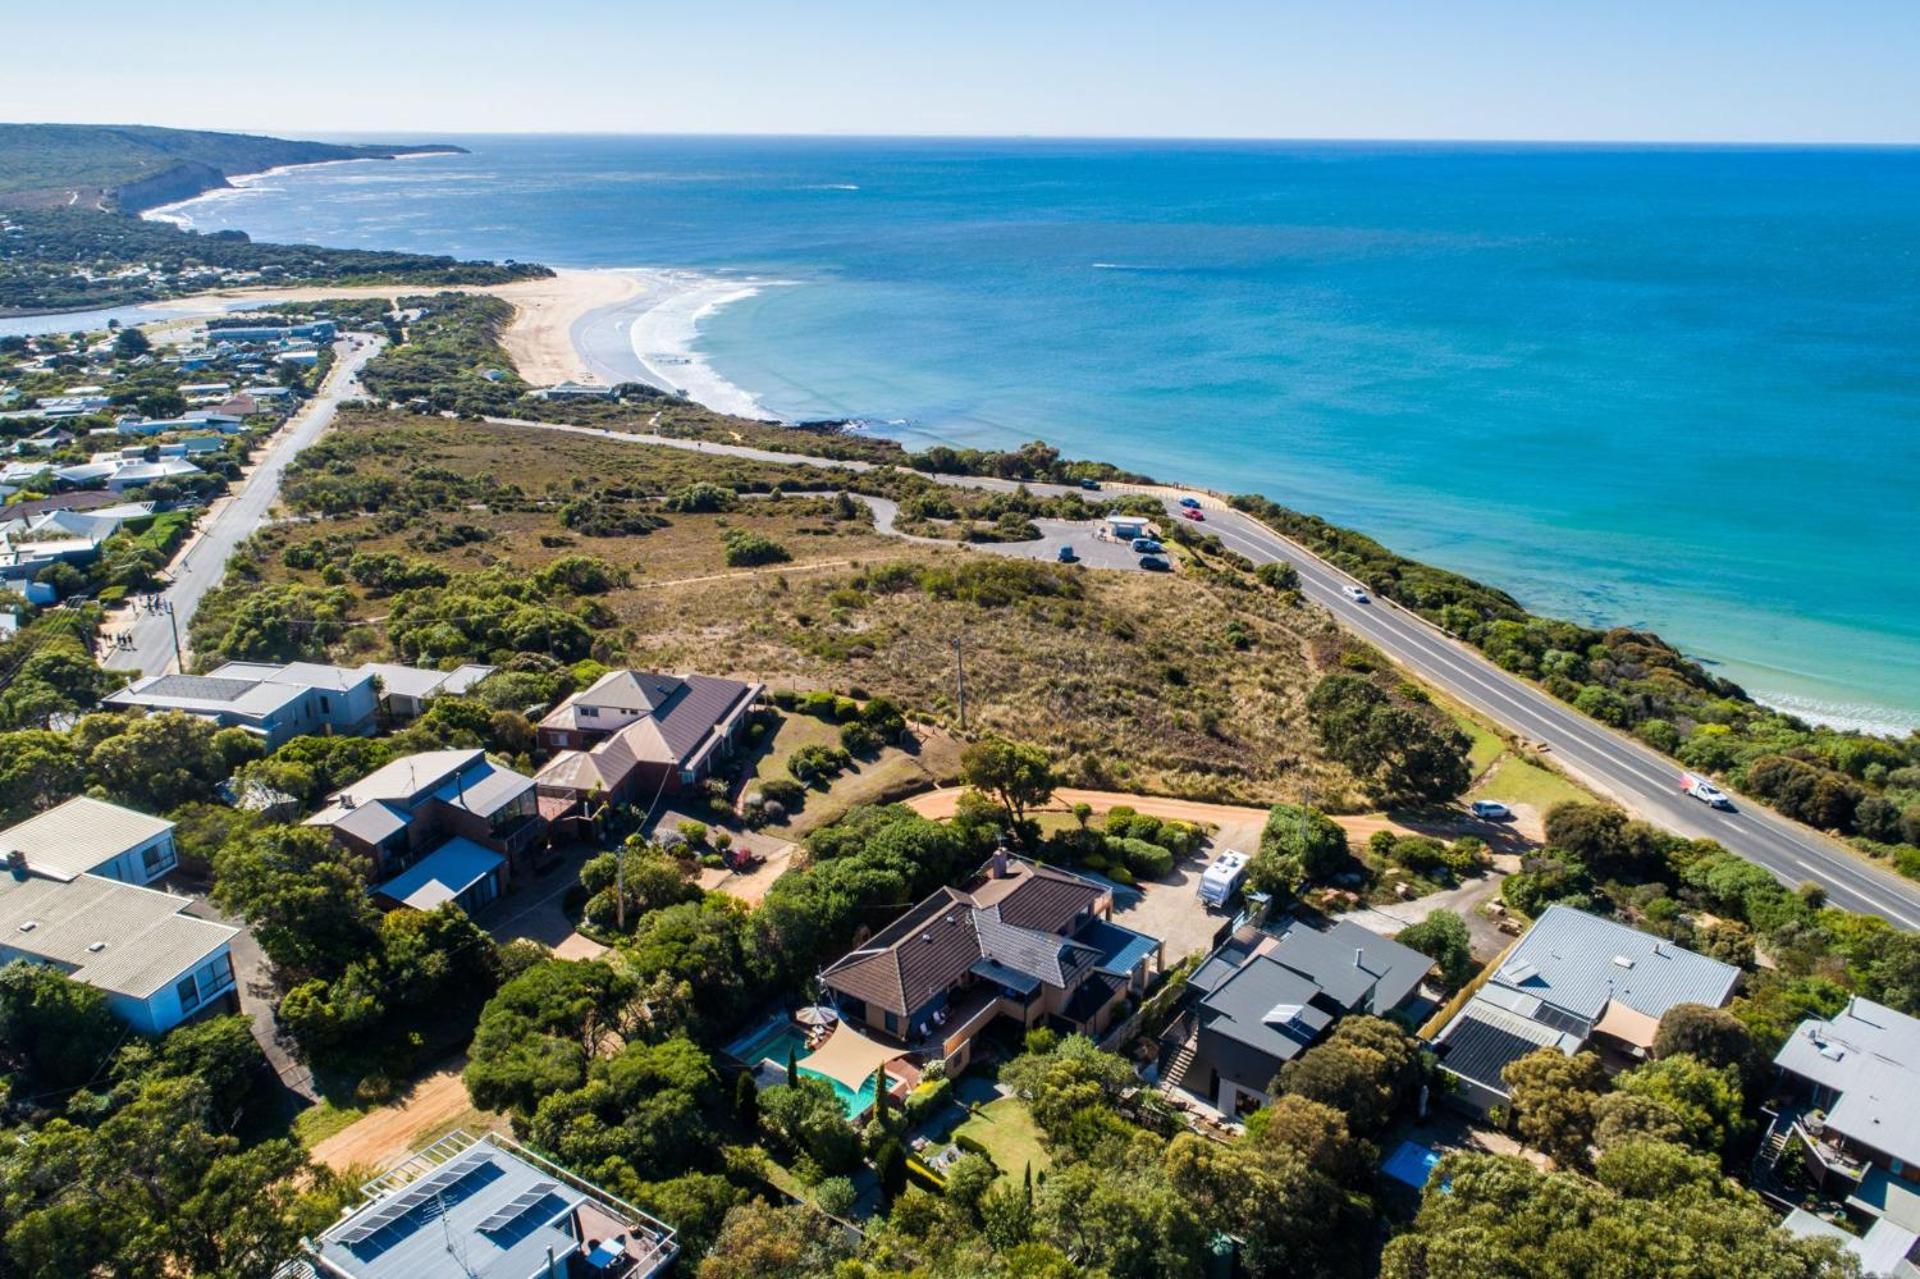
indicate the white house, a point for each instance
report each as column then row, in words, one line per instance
column 71, row 896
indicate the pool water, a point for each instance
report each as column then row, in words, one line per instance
column 1411, row 1163
column 774, row 1041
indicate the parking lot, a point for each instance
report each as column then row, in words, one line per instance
column 1081, row 535
column 1171, row 910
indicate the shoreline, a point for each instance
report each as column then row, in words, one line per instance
column 642, row 324
column 168, row 211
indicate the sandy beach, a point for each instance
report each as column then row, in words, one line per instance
column 540, row 338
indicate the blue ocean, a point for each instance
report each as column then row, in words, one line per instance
column 1672, row 388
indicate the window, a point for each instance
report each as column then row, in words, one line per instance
column 689, row 776
column 589, row 712
column 150, row 857
column 893, row 1024
column 189, row 994
column 326, row 707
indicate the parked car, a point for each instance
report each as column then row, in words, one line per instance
column 1155, row 563
column 1191, row 503
column 1358, row 594
column 1489, row 810
column 1147, row 546
column 1067, row 555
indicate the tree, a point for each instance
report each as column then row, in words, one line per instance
column 807, row 1120
column 1504, row 1219
column 1020, row 777
column 38, row 769
column 1368, row 1069
column 54, row 1031
column 1278, row 576
column 1292, row 1217
column 1705, row 1099
column 761, row 1242
column 1624, row 1116
column 1074, row 1076
column 304, row 894
column 1126, row 1220
column 1553, row 1096
column 539, row 1031
column 1443, row 937
column 1297, row 845
column 1605, row 841
column 130, row 342
column 890, row 1168
column 1712, row 1035
column 160, row 761
column 1401, row 754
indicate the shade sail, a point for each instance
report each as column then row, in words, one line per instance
column 1628, row 1025
column 849, row 1057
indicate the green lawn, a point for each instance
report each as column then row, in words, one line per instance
column 1519, row 781
column 789, row 735
column 1005, row 1129
column 322, row 1120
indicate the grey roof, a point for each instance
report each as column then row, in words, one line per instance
column 206, row 695
column 417, row 682
column 1870, row 1055
column 79, row 835
column 1483, row 1039
column 487, row 1209
column 681, row 714
column 1053, row 959
column 1580, row 962
column 143, row 941
column 411, row 777
column 631, row 691
column 1355, row 967
column 1267, row 1007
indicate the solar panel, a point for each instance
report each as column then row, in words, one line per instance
column 385, row 1213
column 518, row 1207
column 1566, row 1023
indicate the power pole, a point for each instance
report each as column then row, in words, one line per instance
column 179, row 662
column 960, row 679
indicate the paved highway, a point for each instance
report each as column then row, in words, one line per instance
column 1644, row 783
column 199, row 567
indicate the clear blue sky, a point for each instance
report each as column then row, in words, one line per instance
column 1683, row 70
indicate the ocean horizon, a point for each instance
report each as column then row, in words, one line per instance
column 1670, row 387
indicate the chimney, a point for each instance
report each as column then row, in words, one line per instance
column 17, row 863
column 1359, row 957
column 998, row 867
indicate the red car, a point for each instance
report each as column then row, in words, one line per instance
column 1191, row 514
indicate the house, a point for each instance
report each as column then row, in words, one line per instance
column 1574, row 980
column 276, row 702
column 1264, row 998
column 631, row 735
column 439, row 826
column 1024, row 941
column 1124, row 528
column 488, row 1206
column 1849, row 1084
column 406, row 690
column 72, row 895
column 1885, row 1252
column 572, row 391
column 129, row 474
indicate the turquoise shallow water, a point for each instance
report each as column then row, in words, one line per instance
column 1674, row 388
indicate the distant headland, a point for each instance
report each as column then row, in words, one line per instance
column 131, row 168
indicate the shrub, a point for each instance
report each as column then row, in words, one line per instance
column 858, row 739
column 745, row 549
column 927, row 1098
column 779, row 790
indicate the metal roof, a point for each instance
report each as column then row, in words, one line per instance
column 1481, row 1042
column 120, row 937
column 1579, row 962
column 1240, row 1008
column 442, row 875
column 483, row 1208
column 79, row 835
column 1355, row 967
column 1870, row 1055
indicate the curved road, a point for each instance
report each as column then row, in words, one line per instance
column 1643, row 782
column 203, row 562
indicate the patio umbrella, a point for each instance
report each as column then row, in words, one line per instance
column 816, row 1015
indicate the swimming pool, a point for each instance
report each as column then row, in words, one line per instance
column 781, row 1036
column 1411, row 1163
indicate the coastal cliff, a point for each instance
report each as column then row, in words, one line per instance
column 128, row 169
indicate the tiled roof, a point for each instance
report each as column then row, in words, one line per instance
column 933, row 945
